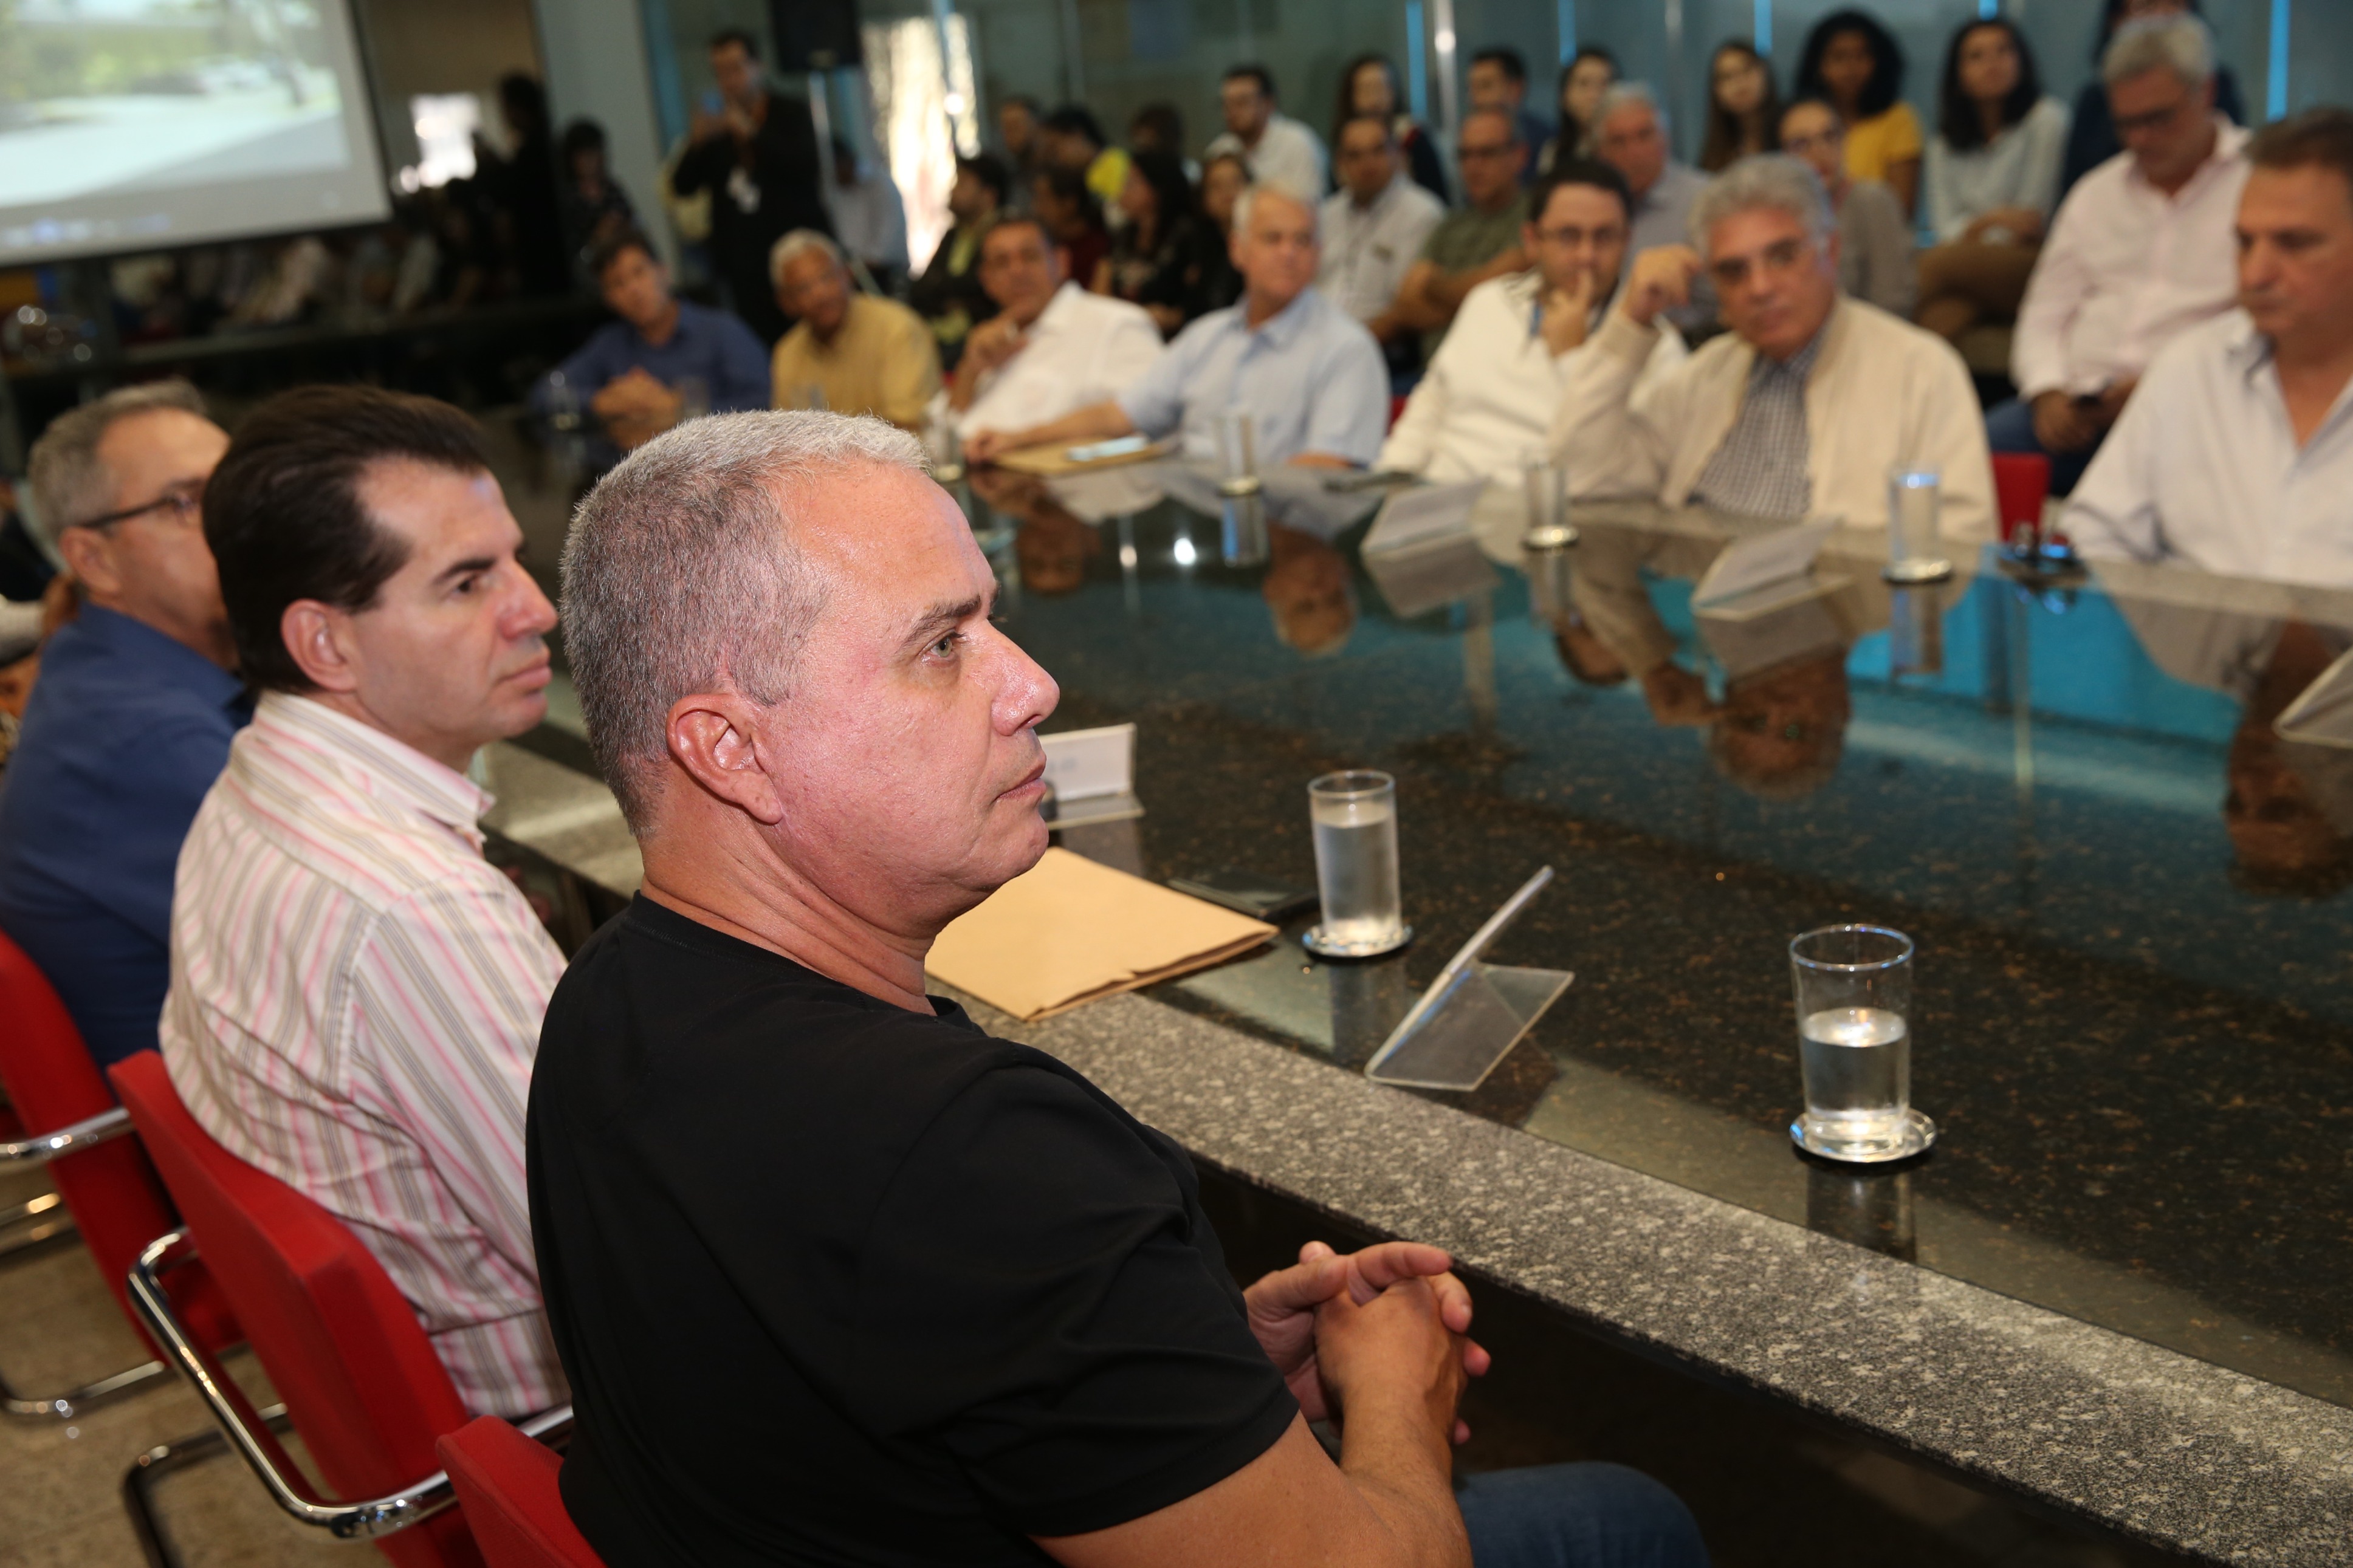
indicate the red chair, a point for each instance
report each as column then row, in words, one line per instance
column 359, row 1380
column 2022, row 481
column 507, row 1483
column 1397, row 407
column 102, row 1177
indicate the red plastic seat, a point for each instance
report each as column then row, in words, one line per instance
column 360, row 1379
column 507, row 1483
column 2022, row 481
column 1397, row 407
column 111, row 1188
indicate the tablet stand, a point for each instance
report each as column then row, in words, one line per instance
column 1473, row 1013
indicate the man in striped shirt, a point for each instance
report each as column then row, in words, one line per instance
column 356, row 994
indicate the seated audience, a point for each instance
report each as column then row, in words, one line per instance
column 1468, row 246
column 1875, row 236
column 1993, row 179
column 851, row 352
column 1308, row 374
column 1744, row 110
column 356, row 994
column 1498, row 81
column 133, row 712
column 2236, row 454
column 1631, row 136
column 1158, row 127
column 594, row 207
column 1583, row 81
column 633, row 374
column 1854, row 64
column 1074, row 217
column 1281, row 152
column 1374, row 226
column 2140, row 252
column 868, row 219
column 1802, row 407
column 1155, row 256
column 1216, row 284
column 1053, row 347
column 971, row 1310
column 949, row 294
column 1486, row 403
column 2092, row 138
column 1368, row 85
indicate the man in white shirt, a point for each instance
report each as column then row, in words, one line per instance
column 1801, row 408
column 1280, row 151
column 1487, row 401
column 1374, row 225
column 2139, row 253
column 1053, row 347
column 2236, row 455
column 356, row 994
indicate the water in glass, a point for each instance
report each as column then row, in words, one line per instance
column 1858, row 1073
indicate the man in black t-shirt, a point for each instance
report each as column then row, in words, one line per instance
column 757, row 157
column 837, row 1278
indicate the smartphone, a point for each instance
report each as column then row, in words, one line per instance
column 1095, row 452
column 1260, row 898
column 1370, row 479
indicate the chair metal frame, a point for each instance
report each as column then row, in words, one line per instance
column 247, row 1430
column 87, row 1133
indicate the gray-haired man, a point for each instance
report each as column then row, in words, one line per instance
column 836, row 1276
column 851, row 352
column 1802, row 407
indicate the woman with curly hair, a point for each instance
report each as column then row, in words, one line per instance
column 1854, row 63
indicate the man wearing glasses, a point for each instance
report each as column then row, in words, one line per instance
column 1469, row 247
column 2141, row 250
column 131, row 719
column 1801, row 408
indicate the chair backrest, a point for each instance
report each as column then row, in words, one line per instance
column 2022, row 481
column 340, row 1342
column 112, row 1189
column 507, row 1483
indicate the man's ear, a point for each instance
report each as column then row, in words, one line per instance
column 318, row 638
column 89, row 559
column 714, row 737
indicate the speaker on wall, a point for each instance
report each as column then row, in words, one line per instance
column 814, row 34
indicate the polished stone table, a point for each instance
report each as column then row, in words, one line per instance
column 2118, row 1284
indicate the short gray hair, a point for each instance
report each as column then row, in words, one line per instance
column 682, row 574
column 2179, row 43
column 781, row 253
column 1619, row 94
column 1768, row 180
column 1249, row 198
column 70, row 486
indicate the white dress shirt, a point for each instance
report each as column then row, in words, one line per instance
column 1368, row 250
column 2128, row 269
column 2203, row 468
column 1882, row 392
column 1084, row 349
column 1288, row 154
column 1488, row 397
column 356, row 1003
column 2018, row 168
column 1310, row 377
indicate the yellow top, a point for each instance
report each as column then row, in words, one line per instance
column 883, row 363
column 1883, row 139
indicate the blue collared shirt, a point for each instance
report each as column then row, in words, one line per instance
column 126, row 730
column 710, row 345
column 1311, row 377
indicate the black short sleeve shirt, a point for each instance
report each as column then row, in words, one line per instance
column 837, row 1283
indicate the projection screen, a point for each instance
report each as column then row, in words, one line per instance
column 133, row 125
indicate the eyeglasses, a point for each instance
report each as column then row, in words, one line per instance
column 1500, row 150
column 185, row 502
column 1608, row 234
column 2151, row 120
column 1779, row 257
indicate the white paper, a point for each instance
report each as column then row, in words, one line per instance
column 1760, row 560
column 1417, row 517
column 1084, row 763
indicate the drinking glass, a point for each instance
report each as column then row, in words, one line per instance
column 1238, row 454
column 944, row 446
column 693, row 397
column 1354, row 818
column 1915, row 551
column 1243, row 539
column 1544, row 547
column 1853, row 986
column 809, row 396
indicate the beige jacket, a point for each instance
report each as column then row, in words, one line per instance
column 1882, row 392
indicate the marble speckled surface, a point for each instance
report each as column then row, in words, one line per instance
column 2165, row 1448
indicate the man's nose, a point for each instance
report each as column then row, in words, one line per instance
column 531, row 614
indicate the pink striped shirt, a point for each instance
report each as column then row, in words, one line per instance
column 355, row 1001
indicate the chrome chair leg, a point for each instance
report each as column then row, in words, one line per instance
column 74, row 1401
column 52, row 1220
column 139, row 1482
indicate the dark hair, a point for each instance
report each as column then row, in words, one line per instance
column 1572, row 134
column 1389, row 128
column 282, row 512
column 989, row 169
column 1345, row 109
column 1165, row 123
column 1070, row 186
column 581, row 136
column 2317, row 138
column 1164, row 173
column 726, row 35
column 1503, row 55
column 1075, row 119
column 1005, row 220
column 1257, row 73
column 520, row 93
column 1886, row 83
column 614, row 247
column 1956, row 115
column 1579, row 172
column 1022, row 100
column 1721, row 146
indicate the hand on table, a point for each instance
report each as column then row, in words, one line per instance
column 987, row 445
column 1283, row 1308
column 1660, row 279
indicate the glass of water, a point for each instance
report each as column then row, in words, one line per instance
column 1238, row 454
column 1853, row 986
column 1915, row 553
column 1355, row 817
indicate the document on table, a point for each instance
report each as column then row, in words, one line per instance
column 2322, row 715
column 1762, row 561
column 1069, row 931
column 1412, row 519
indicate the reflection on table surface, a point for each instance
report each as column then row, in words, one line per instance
column 2134, row 1016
